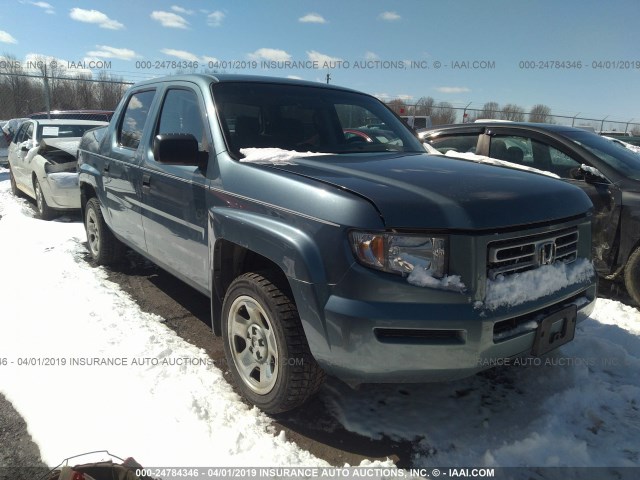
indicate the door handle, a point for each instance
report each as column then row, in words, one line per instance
column 146, row 182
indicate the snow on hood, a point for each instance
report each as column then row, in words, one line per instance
column 518, row 288
column 275, row 156
column 494, row 161
column 629, row 146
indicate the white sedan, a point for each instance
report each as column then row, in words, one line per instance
column 42, row 163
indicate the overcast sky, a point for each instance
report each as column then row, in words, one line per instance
column 585, row 53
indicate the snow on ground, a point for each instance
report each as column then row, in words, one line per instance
column 577, row 407
column 173, row 409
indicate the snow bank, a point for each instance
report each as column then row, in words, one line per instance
column 275, row 156
column 494, row 161
column 137, row 389
column 518, row 288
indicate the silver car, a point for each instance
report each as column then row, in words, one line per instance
column 42, row 163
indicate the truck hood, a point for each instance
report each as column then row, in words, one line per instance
column 419, row 190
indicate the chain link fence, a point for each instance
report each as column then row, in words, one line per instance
column 440, row 115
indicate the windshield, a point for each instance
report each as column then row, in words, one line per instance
column 308, row 119
column 63, row 131
column 613, row 154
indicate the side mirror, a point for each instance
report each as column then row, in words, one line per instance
column 592, row 174
column 176, row 149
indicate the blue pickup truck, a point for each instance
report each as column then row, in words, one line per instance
column 357, row 256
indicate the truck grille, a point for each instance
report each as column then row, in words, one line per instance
column 526, row 253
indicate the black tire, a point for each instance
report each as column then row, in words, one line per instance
column 103, row 246
column 14, row 187
column 632, row 276
column 44, row 211
column 281, row 373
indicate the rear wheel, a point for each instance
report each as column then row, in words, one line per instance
column 45, row 212
column 632, row 275
column 265, row 345
column 104, row 247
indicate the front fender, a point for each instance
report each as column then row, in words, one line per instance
column 293, row 250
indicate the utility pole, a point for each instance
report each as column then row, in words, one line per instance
column 47, row 98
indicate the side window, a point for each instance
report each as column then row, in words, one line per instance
column 135, row 117
column 457, row 143
column 532, row 153
column 29, row 133
column 562, row 164
column 512, row 149
column 20, row 136
column 181, row 114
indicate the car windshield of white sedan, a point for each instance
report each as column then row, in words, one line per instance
column 308, row 119
column 616, row 156
column 62, row 131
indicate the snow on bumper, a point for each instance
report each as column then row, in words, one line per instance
column 516, row 289
column 424, row 335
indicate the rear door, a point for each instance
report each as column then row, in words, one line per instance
column 122, row 177
column 174, row 213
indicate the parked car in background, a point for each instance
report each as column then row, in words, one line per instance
column 8, row 130
column 370, row 135
column 607, row 172
column 42, row 163
column 97, row 115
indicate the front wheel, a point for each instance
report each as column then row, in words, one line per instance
column 265, row 345
column 632, row 276
column 104, row 247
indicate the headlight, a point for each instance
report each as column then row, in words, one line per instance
column 400, row 253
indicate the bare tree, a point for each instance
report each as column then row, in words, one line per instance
column 490, row 110
column 513, row 113
column 398, row 106
column 540, row 114
column 109, row 91
column 424, row 106
column 443, row 113
column 83, row 92
column 18, row 88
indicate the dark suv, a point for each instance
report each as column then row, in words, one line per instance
column 606, row 171
column 372, row 262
